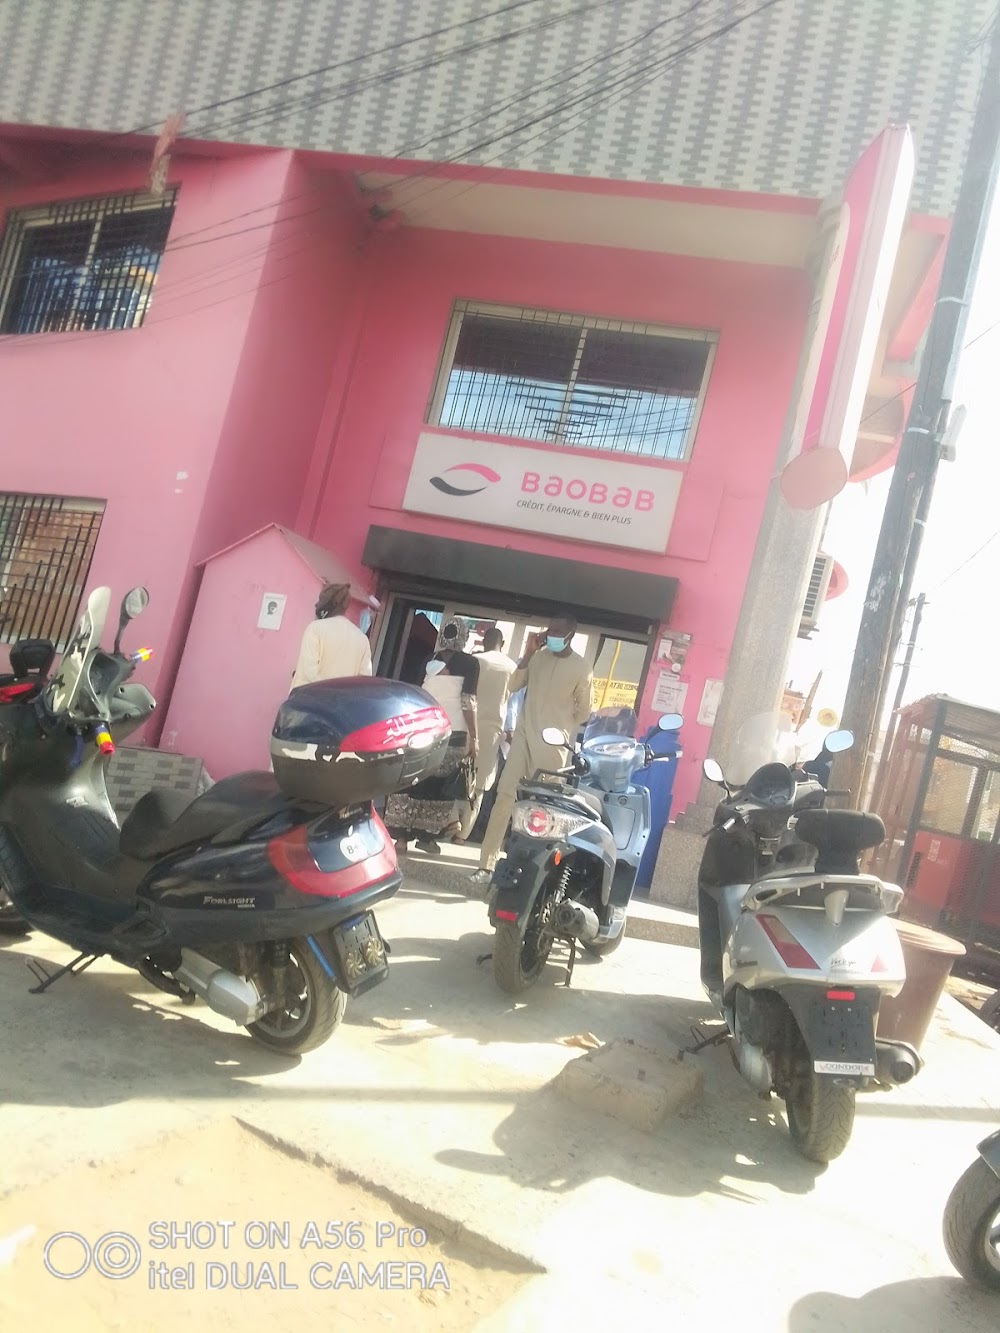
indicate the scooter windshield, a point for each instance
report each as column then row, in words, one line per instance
column 611, row 722
column 60, row 694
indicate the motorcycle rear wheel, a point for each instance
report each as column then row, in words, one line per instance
column 820, row 1116
column 311, row 1015
column 519, row 961
column 972, row 1226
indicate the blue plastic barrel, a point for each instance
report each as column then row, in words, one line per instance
column 659, row 779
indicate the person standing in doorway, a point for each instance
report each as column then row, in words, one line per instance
column 439, row 805
column 495, row 671
column 558, row 692
column 331, row 645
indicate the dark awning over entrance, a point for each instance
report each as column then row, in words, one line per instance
column 559, row 583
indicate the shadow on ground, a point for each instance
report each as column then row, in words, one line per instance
column 922, row 1303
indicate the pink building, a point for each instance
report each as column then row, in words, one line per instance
column 479, row 389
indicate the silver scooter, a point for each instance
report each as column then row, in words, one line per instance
column 798, row 949
column 972, row 1219
column 572, row 855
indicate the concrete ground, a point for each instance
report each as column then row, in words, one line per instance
column 435, row 1090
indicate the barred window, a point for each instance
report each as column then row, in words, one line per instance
column 572, row 380
column 86, row 264
column 46, row 547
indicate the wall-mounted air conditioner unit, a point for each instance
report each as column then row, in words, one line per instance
column 819, row 582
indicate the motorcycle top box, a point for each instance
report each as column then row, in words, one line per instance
column 339, row 742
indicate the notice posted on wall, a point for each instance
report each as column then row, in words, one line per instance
column 711, row 697
column 672, row 651
column 272, row 608
column 670, row 694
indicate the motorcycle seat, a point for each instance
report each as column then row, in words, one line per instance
column 839, row 836
column 164, row 821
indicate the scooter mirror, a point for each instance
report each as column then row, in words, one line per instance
column 670, row 722
column 713, row 771
column 133, row 604
column 838, row 741
column 553, row 736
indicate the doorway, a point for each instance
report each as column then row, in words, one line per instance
column 411, row 625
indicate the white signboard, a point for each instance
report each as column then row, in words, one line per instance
column 537, row 490
column 272, row 608
column 711, row 697
column 670, row 694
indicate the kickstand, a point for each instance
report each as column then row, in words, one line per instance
column 570, row 964
column 46, row 979
column 702, row 1043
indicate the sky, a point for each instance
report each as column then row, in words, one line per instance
column 960, row 557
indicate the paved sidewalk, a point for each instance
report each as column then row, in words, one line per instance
column 436, row 1089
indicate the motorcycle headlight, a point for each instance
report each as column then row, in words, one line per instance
column 537, row 821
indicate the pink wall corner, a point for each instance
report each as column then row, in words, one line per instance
column 759, row 314
column 135, row 417
column 234, row 676
column 269, row 435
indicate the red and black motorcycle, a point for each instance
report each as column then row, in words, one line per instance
column 255, row 897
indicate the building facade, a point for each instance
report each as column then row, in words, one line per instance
column 507, row 309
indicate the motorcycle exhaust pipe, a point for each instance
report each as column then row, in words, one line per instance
column 572, row 918
column 229, row 995
column 896, row 1064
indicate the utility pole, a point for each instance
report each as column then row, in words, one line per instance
column 912, row 486
column 904, row 675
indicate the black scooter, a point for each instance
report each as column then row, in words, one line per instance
column 256, row 896
column 30, row 663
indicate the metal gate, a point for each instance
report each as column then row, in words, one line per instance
column 46, row 547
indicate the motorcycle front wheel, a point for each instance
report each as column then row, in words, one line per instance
column 820, row 1116
column 972, row 1226
column 312, row 1010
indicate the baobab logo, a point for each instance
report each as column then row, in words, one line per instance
column 467, row 479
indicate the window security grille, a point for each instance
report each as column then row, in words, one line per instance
column 565, row 379
column 46, row 546
column 86, row 264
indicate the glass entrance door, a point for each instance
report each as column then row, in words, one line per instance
column 410, row 627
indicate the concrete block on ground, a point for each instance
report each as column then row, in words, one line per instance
column 630, row 1083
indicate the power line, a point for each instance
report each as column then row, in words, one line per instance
column 968, row 561
column 633, row 77
column 455, row 126
column 337, row 64
column 178, row 242
column 310, row 101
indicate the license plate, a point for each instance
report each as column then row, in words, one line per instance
column 353, row 848
column 843, row 1067
column 362, row 953
column 841, row 1037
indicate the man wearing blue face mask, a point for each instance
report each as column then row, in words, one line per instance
column 558, row 692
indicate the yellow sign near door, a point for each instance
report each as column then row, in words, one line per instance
column 615, row 694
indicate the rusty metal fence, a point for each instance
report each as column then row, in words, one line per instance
column 46, row 547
